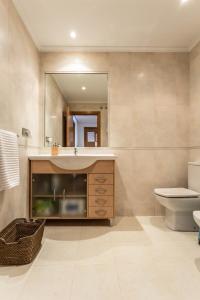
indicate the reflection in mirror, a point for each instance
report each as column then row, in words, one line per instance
column 76, row 112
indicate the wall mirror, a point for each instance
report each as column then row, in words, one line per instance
column 76, row 110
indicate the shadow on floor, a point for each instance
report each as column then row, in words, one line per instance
column 77, row 223
column 14, row 271
column 69, row 230
column 97, row 223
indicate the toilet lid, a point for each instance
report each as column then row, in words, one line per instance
column 176, row 193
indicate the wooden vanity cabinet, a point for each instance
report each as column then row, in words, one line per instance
column 98, row 190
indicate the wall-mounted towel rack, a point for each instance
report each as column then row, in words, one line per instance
column 26, row 132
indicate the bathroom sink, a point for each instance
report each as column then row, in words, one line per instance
column 71, row 161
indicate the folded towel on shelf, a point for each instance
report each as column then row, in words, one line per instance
column 9, row 160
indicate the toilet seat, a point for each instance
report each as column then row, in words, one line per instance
column 176, row 193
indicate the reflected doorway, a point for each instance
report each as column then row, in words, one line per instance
column 90, row 137
column 86, row 126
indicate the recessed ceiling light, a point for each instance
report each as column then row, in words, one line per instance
column 83, row 88
column 184, row 2
column 73, row 34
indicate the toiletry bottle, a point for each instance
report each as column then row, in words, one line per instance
column 54, row 149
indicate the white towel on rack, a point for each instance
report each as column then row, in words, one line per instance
column 9, row 160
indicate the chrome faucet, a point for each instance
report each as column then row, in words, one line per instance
column 75, row 151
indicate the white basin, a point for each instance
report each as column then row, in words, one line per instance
column 71, row 161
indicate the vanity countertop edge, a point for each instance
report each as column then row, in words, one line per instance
column 82, row 156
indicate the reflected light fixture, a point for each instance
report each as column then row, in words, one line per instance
column 83, row 88
column 183, row 2
column 73, row 35
column 140, row 75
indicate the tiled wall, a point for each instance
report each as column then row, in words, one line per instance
column 194, row 120
column 20, row 104
column 148, row 113
column 148, row 119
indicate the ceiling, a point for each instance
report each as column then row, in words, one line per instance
column 91, row 120
column 112, row 25
column 71, row 87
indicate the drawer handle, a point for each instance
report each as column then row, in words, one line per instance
column 100, row 201
column 100, row 179
column 100, row 212
column 100, row 190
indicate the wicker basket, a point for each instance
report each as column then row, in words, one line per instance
column 20, row 241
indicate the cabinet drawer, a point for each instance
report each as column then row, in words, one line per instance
column 102, row 166
column 100, row 212
column 100, row 178
column 101, row 201
column 100, row 190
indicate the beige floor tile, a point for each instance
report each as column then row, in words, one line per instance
column 158, row 232
column 127, row 221
column 48, row 282
column 181, row 277
column 57, row 252
column 99, row 234
column 138, row 258
column 95, row 246
column 131, row 254
column 95, row 252
column 129, row 234
column 12, row 280
column 141, row 282
column 97, row 282
column 60, row 245
column 63, row 233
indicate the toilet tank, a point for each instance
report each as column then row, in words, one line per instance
column 194, row 176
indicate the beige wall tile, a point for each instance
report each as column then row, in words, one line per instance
column 148, row 119
column 148, row 112
column 20, row 104
column 138, row 172
column 195, row 97
column 194, row 155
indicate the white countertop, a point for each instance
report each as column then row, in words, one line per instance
column 98, row 156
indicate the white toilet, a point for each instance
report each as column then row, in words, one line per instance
column 180, row 203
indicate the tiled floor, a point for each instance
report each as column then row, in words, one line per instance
column 138, row 258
